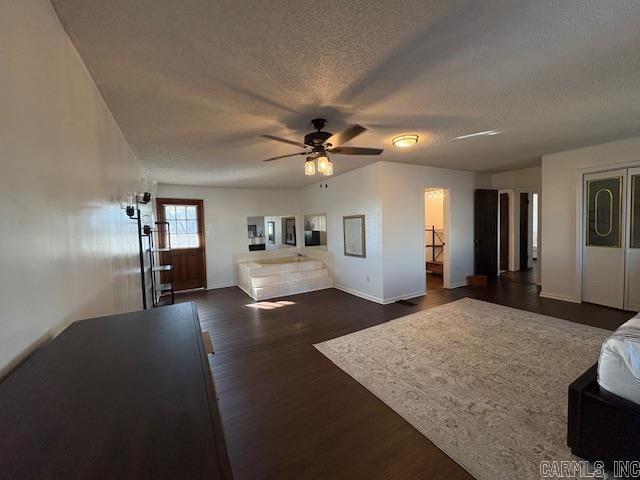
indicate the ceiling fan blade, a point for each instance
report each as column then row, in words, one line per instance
column 284, row 140
column 344, row 136
column 285, row 156
column 356, row 151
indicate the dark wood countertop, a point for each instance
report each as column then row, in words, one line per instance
column 124, row 396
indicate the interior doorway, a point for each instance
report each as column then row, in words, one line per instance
column 434, row 237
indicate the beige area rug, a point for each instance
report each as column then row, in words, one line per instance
column 487, row 384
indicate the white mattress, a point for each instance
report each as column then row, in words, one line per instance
column 619, row 364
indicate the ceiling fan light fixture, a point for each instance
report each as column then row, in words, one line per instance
column 309, row 166
column 404, row 141
column 323, row 164
column 328, row 169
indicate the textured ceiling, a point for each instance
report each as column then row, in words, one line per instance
column 193, row 83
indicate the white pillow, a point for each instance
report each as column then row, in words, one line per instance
column 619, row 364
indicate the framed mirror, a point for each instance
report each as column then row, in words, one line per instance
column 354, row 236
column 271, row 232
column 289, row 231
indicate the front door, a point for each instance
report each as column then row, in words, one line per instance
column 186, row 238
column 603, row 251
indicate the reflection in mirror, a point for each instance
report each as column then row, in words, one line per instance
column 271, row 232
column 289, row 231
column 315, row 230
column 255, row 233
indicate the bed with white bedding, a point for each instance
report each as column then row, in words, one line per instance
column 619, row 364
column 603, row 421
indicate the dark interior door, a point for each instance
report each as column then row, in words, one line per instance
column 186, row 236
column 486, row 232
column 524, row 231
column 504, row 231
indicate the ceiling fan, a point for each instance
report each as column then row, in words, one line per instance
column 318, row 144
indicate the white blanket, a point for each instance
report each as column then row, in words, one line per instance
column 619, row 364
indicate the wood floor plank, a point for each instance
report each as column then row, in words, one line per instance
column 289, row 413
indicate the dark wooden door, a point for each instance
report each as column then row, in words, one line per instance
column 186, row 227
column 504, row 231
column 524, row 231
column 486, row 232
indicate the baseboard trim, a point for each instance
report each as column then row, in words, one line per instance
column 555, row 296
column 407, row 296
column 463, row 283
column 356, row 293
column 222, row 285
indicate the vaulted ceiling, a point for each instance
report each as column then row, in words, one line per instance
column 194, row 83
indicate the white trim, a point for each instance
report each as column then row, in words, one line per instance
column 463, row 283
column 356, row 293
column 222, row 285
column 511, row 261
column 580, row 173
column 555, row 296
column 404, row 297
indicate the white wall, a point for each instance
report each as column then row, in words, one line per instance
column 225, row 218
column 403, row 211
column 515, row 182
column 67, row 251
column 561, row 180
column 353, row 193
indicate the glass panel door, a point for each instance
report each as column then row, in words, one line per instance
column 604, row 212
column 603, row 252
column 634, row 220
column 632, row 262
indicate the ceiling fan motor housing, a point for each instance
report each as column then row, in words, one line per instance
column 315, row 139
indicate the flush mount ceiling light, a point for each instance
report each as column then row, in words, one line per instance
column 406, row 140
column 479, row 134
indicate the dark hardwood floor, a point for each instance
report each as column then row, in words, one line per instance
column 289, row 413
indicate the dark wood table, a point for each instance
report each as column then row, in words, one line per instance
column 124, row 396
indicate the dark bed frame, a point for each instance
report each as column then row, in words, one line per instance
column 601, row 425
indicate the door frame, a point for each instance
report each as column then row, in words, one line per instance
column 190, row 201
column 524, row 257
column 446, row 251
column 579, row 179
column 511, row 267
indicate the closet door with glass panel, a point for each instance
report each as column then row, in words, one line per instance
column 603, row 254
column 632, row 294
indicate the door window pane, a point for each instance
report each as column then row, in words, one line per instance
column 603, row 212
column 183, row 225
column 635, row 212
